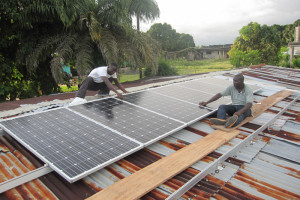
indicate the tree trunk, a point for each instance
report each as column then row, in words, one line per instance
column 138, row 29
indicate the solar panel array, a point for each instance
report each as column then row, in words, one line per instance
column 79, row 140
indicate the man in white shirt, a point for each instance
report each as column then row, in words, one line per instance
column 242, row 100
column 99, row 78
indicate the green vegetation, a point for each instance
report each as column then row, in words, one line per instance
column 39, row 37
column 296, row 63
column 184, row 67
column 164, row 69
column 169, row 39
column 262, row 44
column 128, row 77
column 65, row 88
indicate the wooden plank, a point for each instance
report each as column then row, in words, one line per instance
column 150, row 177
column 259, row 108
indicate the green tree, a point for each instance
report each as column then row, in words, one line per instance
column 102, row 29
column 264, row 39
column 185, row 41
column 240, row 58
column 284, row 57
column 143, row 10
column 37, row 35
column 288, row 33
column 169, row 39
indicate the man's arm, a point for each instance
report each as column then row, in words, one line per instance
column 214, row 98
column 118, row 84
column 244, row 109
column 110, row 86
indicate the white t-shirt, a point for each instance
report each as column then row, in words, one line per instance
column 100, row 71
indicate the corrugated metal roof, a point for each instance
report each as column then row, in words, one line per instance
column 260, row 170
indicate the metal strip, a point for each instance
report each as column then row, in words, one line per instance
column 210, row 168
column 24, row 178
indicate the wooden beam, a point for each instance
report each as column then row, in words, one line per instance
column 150, row 177
column 259, row 108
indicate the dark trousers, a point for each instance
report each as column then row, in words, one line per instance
column 89, row 84
column 229, row 110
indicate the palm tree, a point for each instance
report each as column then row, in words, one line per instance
column 143, row 10
column 91, row 30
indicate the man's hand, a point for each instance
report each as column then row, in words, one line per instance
column 203, row 103
column 120, row 96
column 237, row 114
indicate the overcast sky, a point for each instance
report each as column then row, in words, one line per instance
column 213, row 22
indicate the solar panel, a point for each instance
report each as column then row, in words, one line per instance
column 176, row 109
column 205, row 86
column 140, row 124
column 189, row 95
column 72, row 145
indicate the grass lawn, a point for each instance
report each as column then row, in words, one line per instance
column 200, row 66
column 129, row 77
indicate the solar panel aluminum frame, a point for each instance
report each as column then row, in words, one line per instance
column 52, row 166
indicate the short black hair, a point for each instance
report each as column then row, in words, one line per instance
column 240, row 77
column 114, row 65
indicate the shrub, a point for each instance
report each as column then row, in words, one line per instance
column 164, row 69
column 284, row 57
column 296, row 63
column 240, row 58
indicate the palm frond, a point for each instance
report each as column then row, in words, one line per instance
column 64, row 51
column 83, row 54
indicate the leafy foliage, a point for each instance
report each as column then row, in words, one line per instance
column 39, row 35
column 284, row 57
column 260, row 44
column 289, row 32
column 169, row 39
column 164, row 69
column 296, row 63
column 143, row 10
column 240, row 58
